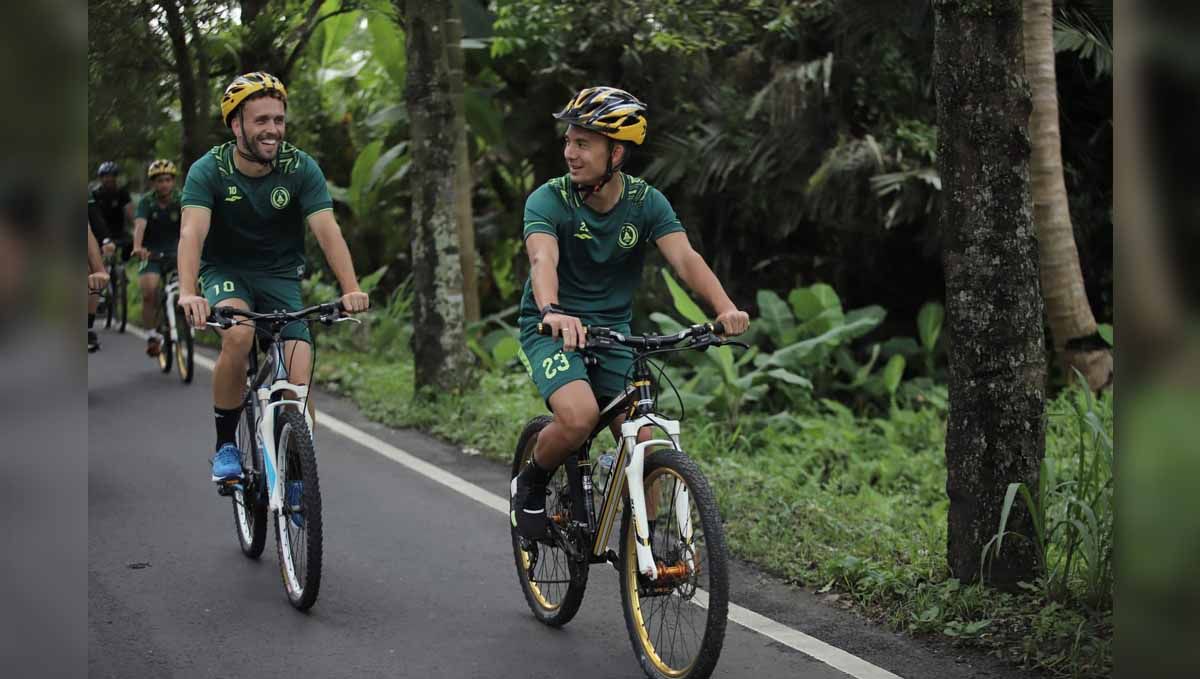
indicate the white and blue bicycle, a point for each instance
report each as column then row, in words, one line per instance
column 279, row 458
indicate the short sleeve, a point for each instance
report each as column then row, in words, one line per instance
column 314, row 193
column 660, row 216
column 542, row 212
column 142, row 211
column 198, row 187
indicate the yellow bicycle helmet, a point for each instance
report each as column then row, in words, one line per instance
column 609, row 111
column 245, row 85
column 161, row 166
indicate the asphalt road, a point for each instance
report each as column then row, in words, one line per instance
column 418, row 580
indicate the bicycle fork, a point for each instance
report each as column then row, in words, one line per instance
column 637, row 494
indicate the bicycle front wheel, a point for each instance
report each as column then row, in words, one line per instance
column 676, row 621
column 298, row 523
column 250, row 502
column 552, row 581
column 184, row 356
column 122, row 298
column 165, row 352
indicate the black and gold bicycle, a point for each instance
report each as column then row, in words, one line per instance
column 672, row 558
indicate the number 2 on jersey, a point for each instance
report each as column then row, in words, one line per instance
column 552, row 369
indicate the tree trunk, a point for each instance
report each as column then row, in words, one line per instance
column 191, row 142
column 466, row 223
column 438, row 343
column 1067, row 309
column 203, row 90
column 996, row 431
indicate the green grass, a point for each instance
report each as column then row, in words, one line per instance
column 836, row 502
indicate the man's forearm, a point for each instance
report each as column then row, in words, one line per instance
column 139, row 232
column 699, row 278
column 188, row 262
column 337, row 254
column 95, row 259
column 544, row 277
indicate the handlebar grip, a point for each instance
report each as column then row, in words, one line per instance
column 544, row 329
column 718, row 328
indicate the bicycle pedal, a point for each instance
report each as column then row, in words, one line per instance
column 228, row 487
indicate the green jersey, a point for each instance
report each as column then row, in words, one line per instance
column 257, row 222
column 600, row 256
column 162, row 222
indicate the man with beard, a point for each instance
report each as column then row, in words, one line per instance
column 246, row 203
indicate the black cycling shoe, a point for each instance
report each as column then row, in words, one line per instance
column 527, row 507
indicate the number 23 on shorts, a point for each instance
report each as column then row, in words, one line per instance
column 555, row 364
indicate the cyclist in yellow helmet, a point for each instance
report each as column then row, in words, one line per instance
column 246, row 204
column 587, row 234
column 155, row 229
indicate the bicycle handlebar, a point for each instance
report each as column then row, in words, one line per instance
column 224, row 316
column 605, row 335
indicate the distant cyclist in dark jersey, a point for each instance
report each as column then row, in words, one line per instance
column 116, row 207
column 246, row 204
column 155, row 229
column 587, row 234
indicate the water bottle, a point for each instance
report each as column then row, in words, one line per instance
column 604, row 468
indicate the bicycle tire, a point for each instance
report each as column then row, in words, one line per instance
column 110, row 300
column 297, row 461
column 651, row 632
column 166, row 344
column 123, row 298
column 250, row 503
column 554, row 598
column 184, row 349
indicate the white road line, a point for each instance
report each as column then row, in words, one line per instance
column 777, row 631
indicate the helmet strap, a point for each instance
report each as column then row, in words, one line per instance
column 585, row 191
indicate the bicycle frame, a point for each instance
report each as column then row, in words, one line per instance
column 275, row 369
column 631, row 457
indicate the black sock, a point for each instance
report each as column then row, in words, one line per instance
column 537, row 478
column 534, row 473
column 91, row 320
column 227, row 422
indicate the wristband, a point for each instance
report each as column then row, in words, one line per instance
column 551, row 309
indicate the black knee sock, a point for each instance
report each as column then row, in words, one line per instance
column 227, row 422
column 537, row 478
column 91, row 320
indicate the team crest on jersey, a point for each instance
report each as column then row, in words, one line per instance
column 280, row 197
column 628, row 237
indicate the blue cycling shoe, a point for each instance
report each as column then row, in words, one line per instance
column 227, row 464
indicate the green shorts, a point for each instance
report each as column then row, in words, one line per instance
column 551, row 367
column 151, row 267
column 264, row 292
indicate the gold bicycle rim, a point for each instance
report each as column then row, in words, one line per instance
column 635, row 601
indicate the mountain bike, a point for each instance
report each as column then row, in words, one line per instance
column 279, row 458
column 114, row 301
column 672, row 562
column 177, row 334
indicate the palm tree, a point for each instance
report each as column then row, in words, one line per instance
column 1067, row 309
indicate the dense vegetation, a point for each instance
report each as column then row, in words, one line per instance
column 797, row 140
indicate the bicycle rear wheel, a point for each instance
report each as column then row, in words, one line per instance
column 184, row 356
column 250, row 502
column 676, row 622
column 298, row 530
column 552, row 581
